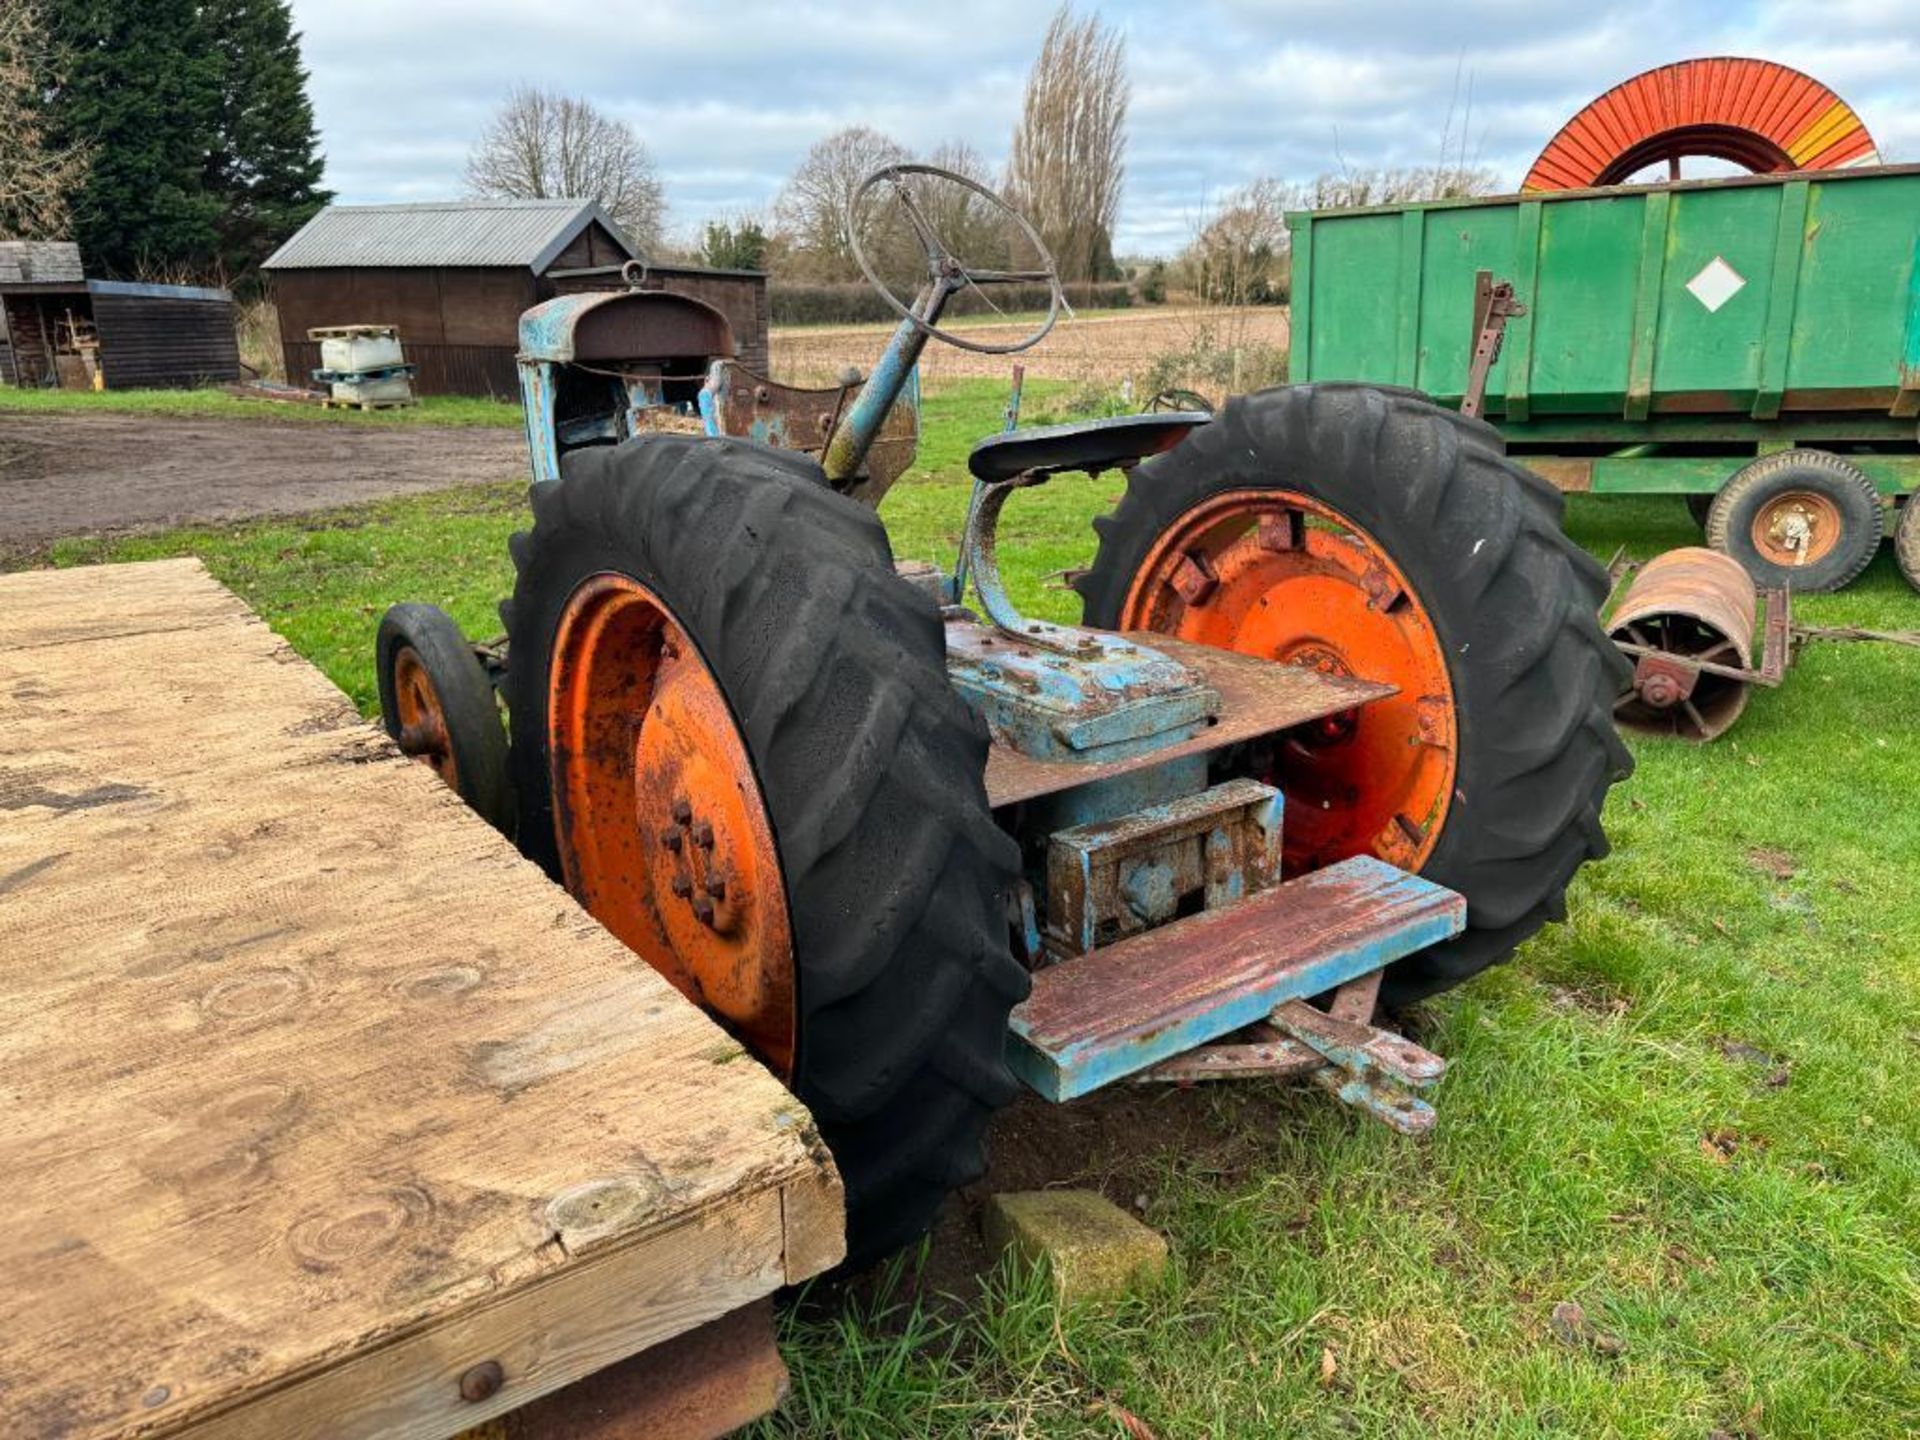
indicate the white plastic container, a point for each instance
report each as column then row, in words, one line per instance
column 395, row 390
column 353, row 349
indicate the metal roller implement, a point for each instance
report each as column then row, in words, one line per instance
column 1688, row 622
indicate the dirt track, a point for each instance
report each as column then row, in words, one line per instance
column 91, row 474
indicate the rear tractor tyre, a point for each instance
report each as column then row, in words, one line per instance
column 438, row 705
column 1803, row 519
column 1906, row 542
column 734, row 741
column 1371, row 533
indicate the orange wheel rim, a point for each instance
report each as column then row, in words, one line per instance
column 1277, row 574
column 423, row 719
column 1797, row 527
column 662, row 830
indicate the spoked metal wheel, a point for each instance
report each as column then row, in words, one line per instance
column 648, row 758
column 1280, row 574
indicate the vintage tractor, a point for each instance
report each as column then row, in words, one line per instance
column 1337, row 731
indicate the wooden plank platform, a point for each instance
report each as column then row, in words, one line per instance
column 314, row 1096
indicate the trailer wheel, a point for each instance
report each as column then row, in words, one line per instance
column 1906, row 542
column 1802, row 518
column 1372, row 533
column 735, row 743
column 437, row 704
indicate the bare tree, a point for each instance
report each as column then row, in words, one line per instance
column 541, row 145
column 1349, row 189
column 810, row 214
column 37, row 177
column 1069, row 149
column 1240, row 255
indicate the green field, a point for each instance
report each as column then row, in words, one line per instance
column 1691, row 1110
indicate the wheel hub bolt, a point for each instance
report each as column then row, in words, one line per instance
column 716, row 887
column 670, row 839
column 682, row 887
column 703, row 909
column 1659, row 691
column 703, row 835
column 682, row 812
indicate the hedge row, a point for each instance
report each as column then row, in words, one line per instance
column 859, row 304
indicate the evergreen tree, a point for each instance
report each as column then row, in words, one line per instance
column 201, row 134
column 739, row 246
column 264, row 166
column 137, row 83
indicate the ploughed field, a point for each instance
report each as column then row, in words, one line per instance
column 1110, row 346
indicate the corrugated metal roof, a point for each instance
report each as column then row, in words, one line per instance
column 454, row 232
column 39, row 262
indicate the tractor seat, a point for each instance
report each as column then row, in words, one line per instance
column 1090, row 445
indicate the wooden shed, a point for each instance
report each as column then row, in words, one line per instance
column 59, row 329
column 454, row 277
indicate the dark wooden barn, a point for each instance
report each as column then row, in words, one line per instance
column 454, row 277
column 61, row 329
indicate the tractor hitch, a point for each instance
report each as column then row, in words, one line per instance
column 1339, row 1048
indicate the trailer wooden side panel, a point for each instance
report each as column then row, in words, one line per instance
column 319, row 1100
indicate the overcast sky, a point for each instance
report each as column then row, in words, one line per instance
column 729, row 96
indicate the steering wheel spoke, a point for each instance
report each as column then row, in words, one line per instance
column 1009, row 277
column 929, row 238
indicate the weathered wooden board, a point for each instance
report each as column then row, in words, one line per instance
column 313, row 1094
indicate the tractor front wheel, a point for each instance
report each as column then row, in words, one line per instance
column 735, row 743
column 437, row 703
column 1370, row 533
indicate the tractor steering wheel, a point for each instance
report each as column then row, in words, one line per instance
column 944, row 267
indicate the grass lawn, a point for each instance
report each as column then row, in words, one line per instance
column 218, row 404
column 1691, row 1111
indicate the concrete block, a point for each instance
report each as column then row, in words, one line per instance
column 1097, row 1251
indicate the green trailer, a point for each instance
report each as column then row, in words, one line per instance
column 1751, row 343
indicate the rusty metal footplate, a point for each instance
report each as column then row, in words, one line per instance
column 1257, row 697
column 1116, row 1011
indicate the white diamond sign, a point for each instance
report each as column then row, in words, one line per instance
column 1717, row 283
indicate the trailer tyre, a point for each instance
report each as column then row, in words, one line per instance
column 438, row 705
column 1367, row 531
column 887, row 875
column 1906, row 542
column 1803, row 519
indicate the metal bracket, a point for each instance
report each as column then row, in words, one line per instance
column 1339, row 1049
column 1493, row 305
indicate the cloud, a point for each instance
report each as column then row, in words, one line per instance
column 729, row 98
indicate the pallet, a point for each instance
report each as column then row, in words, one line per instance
column 329, row 403
column 326, row 1114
